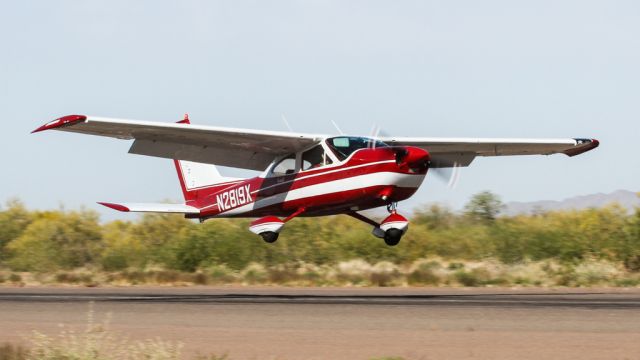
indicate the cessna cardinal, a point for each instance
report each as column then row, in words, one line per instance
column 303, row 174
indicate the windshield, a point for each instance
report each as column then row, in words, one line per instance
column 343, row 146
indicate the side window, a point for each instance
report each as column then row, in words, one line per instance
column 286, row 166
column 314, row 158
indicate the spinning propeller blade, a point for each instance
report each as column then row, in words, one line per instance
column 449, row 175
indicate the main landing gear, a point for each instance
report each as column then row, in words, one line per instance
column 269, row 236
column 269, row 227
column 391, row 229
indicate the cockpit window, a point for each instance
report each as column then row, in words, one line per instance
column 286, row 166
column 343, row 146
column 314, row 158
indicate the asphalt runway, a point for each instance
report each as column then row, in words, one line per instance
column 346, row 323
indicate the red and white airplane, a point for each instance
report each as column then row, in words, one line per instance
column 306, row 174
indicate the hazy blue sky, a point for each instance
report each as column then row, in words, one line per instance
column 418, row 68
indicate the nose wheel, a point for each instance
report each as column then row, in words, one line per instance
column 390, row 229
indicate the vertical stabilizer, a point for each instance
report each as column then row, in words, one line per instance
column 195, row 176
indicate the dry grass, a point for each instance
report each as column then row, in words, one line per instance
column 424, row 272
column 95, row 342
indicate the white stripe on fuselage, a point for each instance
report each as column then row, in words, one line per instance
column 335, row 186
column 307, row 177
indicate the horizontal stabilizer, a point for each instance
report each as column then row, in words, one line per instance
column 151, row 207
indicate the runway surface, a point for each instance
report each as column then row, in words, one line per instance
column 352, row 323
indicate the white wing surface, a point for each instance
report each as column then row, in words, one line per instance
column 255, row 149
column 450, row 152
column 240, row 148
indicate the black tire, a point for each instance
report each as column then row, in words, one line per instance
column 269, row 236
column 392, row 237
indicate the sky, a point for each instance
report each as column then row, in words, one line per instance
column 414, row 68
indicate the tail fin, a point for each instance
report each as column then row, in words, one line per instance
column 195, row 177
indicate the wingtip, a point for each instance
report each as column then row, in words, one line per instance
column 185, row 119
column 582, row 146
column 61, row 122
column 117, row 207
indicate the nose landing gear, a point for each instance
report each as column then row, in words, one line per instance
column 391, row 229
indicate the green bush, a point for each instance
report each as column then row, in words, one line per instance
column 425, row 274
column 60, row 241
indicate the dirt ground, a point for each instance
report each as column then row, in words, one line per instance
column 291, row 323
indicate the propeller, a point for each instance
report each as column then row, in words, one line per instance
column 449, row 175
column 374, row 135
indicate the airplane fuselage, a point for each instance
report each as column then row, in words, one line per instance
column 369, row 178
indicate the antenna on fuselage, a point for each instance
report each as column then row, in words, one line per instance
column 284, row 119
column 337, row 127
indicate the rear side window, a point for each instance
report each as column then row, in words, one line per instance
column 315, row 158
column 286, row 166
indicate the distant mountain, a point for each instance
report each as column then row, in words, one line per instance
column 627, row 199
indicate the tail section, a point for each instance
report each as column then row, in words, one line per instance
column 198, row 177
column 197, row 180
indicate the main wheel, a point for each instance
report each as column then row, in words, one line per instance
column 392, row 237
column 269, row 236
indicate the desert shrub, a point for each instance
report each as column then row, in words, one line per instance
column 424, row 274
column 353, row 272
column 255, row 274
column 57, row 240
column 632, row 263
column 211, row 357
column 131, row 276
column 476, row 277
column 282, row 274
column 98, row 342
column 165, row 276
column 627, row 282
column 13, row 220
column 121, row 249
column 67, row 277
column 593, row 272
column 384, row 274
column 15, row 278
column 220, row 274
column 13, row 352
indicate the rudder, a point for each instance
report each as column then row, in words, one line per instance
column 195, row 176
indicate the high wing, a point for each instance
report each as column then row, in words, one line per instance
column 256, row 149
column 453, row 152
column 239, row 148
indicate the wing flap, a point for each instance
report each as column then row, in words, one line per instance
column 239, row 158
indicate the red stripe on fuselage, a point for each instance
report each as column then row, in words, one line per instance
column 362, row 162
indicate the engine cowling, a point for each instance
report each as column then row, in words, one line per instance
column 412, row 157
